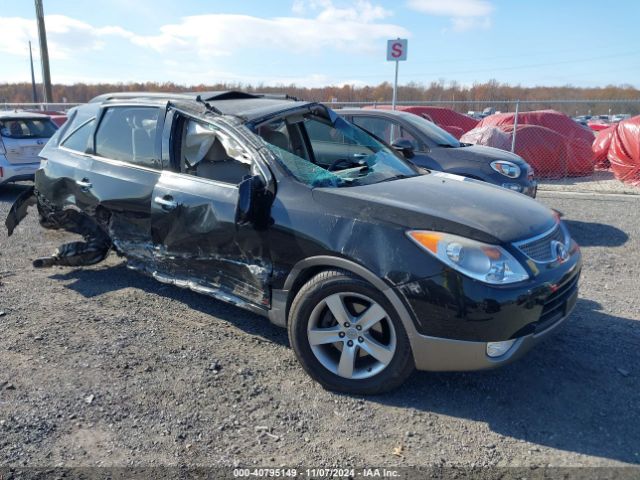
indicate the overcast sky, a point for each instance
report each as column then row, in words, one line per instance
column 321, row 42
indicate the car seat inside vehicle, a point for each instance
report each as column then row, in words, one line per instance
column 209, row 153
column 218, row 165
column 276, row 138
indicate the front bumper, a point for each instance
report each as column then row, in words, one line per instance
column 455, row 317
column 444, row 354
column 16, row 172
column 525, row 186
column 525, row 183
column 530, row 189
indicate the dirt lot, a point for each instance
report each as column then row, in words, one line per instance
column 103, row 366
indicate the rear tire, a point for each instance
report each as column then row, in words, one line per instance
column 347, row 335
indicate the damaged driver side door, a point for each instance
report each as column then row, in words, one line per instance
column 197, row 242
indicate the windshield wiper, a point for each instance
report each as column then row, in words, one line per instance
column 396, row 177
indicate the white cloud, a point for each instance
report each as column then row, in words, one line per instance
column 190, row 45
column 298, row 7
column 66, row 36
column 186, row 73
column 304, row 7
column 452, row 8
column 353, row 28
column 464, row 14
column 361, row 10
column 460, row 24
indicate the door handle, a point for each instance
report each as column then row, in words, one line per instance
column 360, row 155
column 167, row 202
column 84, row 184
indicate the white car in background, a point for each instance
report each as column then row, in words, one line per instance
column 22, row 136
column 620, row 117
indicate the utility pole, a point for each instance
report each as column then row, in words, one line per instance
column 33, row 77
column 44, row 53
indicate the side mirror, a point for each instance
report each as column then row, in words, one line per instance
column 254, row 202
column 404, row 146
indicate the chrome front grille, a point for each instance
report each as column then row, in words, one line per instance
column 539, row 249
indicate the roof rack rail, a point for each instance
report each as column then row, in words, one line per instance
column 115, row 95
column 225, row 95
column 278, row 96
column 238, row 95
column 198, row 96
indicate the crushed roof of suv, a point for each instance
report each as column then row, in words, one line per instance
column 241, row 104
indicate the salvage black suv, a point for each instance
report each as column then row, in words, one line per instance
column 281, row 207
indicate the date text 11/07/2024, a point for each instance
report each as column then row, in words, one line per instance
column 316, row 472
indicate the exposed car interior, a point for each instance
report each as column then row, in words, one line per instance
column 319, row 152
column 204, row 154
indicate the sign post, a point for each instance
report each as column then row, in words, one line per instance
column 396, row 52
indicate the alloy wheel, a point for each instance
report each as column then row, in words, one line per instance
column 351, row 335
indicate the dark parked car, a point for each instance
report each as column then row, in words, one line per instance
column 429, row 146
column 283, row 208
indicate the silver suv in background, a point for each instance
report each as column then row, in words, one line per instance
column 22, row 136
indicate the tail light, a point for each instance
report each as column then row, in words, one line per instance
column 1, row 172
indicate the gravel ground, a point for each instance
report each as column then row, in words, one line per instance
column 103, row 366
column 599, row 182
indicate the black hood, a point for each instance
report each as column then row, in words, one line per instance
column 443, row 202
column 476, row 153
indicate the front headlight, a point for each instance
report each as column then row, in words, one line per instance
column 508, row 169
column 481, row 261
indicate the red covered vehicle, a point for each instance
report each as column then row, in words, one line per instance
column 551, row 142
column 453, row 122
column 551, row 119
column 618, row 148
column 598, row 125
column 550, row 154
column 600, row 147
column 57, row 117
column 624, row 151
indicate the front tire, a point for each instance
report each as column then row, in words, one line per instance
column 347, row 335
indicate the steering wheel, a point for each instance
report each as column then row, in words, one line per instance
column 336, row 163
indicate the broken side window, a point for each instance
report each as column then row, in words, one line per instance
column 79, row 140
column 306, row 172
column 285, row 141
column 338, row 154
column 210, row 152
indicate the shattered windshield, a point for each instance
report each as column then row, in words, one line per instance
column 327, row 151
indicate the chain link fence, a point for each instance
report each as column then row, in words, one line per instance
column 556, row 137
column 43, row 107
column 560, row 139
